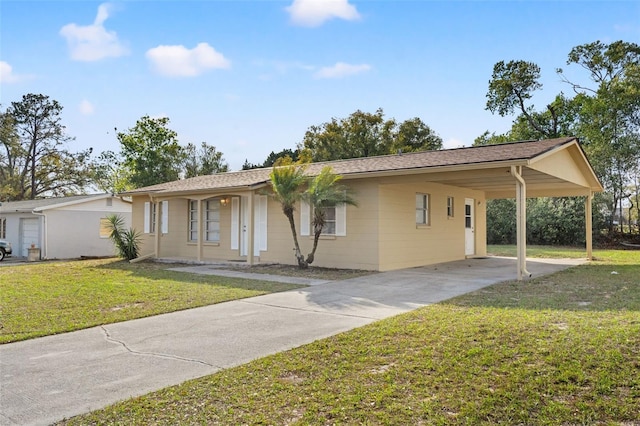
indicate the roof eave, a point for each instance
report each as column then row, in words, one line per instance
column 436, row 169
column 182, row 192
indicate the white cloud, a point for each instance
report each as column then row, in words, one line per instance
column 178, row 61
column 86, row 107
column 313, row 13
column 340, row 70
column 452, row 143
column 8, row 76
column 93, row 42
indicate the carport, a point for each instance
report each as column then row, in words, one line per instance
column 562, row 170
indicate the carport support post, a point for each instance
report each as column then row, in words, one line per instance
column 521, row 221
column 589, row 225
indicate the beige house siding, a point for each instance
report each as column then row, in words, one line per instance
column 381, row 230
column 405, row 244
column 356, row 250
column 137, row 223
column 359, row 248
column 563, row 164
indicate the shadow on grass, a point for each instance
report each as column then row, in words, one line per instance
column 591, row 287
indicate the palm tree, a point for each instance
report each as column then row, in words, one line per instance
column 288, row 182
column 323, row 192
column 291, row 185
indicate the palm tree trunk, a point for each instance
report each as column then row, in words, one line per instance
column 298, row 253
column 317, row 231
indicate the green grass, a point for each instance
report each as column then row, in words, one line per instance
column 538, row 251
column 562, row 349
column 54, row 297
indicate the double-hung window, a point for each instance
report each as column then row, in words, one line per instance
column 335, row 220
column 193, row 220
column 449, row 206
column 210, row 223
column 212, row 220
column 149, row 218
column 422, row 209
column 329, row 227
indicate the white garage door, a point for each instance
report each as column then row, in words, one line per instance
column 30, row 235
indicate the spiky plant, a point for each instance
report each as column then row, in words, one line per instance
column 126, row 241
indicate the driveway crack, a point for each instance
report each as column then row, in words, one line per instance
column 152, row 354
column 309, row 310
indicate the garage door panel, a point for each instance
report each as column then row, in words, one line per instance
column 30, row 234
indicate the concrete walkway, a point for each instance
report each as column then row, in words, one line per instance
column 47, row 379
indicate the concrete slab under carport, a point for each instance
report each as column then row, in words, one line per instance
column 47, row 379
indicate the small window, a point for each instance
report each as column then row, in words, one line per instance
column 422, row 209
column 467, row 216
column 109, row 202
column 449, row 206
column 3, row 227
column 105, row 227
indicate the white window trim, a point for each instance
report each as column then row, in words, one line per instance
column 341, row 220
column 260, row 224
column 147, row 217
column 235, row 223
column 165, row 217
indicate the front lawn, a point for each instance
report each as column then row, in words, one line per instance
column 561, row 349
column 54, row 297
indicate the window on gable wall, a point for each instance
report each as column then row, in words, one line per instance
column 422, row 209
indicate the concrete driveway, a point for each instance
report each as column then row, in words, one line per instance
column 47, row 379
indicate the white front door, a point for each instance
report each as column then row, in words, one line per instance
column 469, row 228
column 30, row 234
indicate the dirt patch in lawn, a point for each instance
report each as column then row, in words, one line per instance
column 310, row 272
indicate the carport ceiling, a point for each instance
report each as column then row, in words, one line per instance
column 499, row 183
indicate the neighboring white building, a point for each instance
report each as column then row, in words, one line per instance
column 62, row 228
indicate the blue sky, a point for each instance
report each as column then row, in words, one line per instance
column 251, row 76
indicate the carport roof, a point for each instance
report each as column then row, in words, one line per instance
column 483, row 168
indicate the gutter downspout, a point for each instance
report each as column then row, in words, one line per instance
column 45, row 251
column 521, row 221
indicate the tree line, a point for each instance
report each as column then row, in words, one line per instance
column 36, row 162
column 604, row 113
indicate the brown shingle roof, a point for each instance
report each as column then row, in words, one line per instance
column 387, row 163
